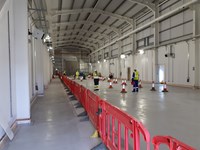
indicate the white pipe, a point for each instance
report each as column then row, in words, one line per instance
column 148, row 24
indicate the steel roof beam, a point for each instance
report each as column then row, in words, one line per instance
column 73, row 35
column 92, row 10
column 74, row 45
column 146, row 3
column 76, row 41
column 80, row 30
column 117, row 31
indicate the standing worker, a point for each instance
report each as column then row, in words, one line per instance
column 77, row 74
column 135, row 78
column 96, row 80
column 64, row 73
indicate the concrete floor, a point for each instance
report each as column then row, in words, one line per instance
column 176, row 113
column 55, row 125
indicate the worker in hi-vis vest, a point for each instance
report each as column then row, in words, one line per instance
column 64, row 73
column 135, row 79
column 77, row 74
column 96, row 80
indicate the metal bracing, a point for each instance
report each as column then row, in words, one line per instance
column 178, row 9
column 105, row 36
column 75, row 41
column 74, row 45
column 91, row 10
column 81, row 36
column 146, row 3
column 117, row 31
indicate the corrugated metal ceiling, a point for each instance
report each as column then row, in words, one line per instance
column 84, row 23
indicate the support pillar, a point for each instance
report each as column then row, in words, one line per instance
column 21, row 60
column 134, row 45
column 155, row 67
column 109, row 55
column 196, row 31
column 119, row 59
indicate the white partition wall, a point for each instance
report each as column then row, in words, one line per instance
column 24, row 61
column 7, row 80
column 21, row 59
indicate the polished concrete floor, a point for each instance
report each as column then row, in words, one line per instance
column 55, row 125
column 176, row 113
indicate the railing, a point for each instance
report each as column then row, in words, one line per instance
column 172, row 143
column 117, row 129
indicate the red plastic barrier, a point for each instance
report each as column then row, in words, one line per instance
column 92, row 108
column 111, row 122
column 83, row 96
column 117, row 129
column 76, row 89
column 171, row 142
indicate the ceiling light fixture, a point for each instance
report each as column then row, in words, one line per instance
column 122, row 56
column 141, row 51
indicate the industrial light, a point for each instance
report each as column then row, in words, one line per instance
column 104, row 60
column 47, row 38
column 122, row 56
column 141, row 51
column 98, row 62
column 90, row 64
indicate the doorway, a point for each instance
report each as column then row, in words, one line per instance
column 128, row 73
column 161, row 73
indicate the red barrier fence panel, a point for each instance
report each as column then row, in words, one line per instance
column 83, row 96
column 119, row 131
column 92, row 107
column 76, row 88
column 172, row 143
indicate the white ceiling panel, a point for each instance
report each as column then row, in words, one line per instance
column 64, row 18
column 112, row 6
column 66, row 4
column 78, row 4
column 103, row 4
column 73, row 17
column 126, row 5
column 101, row 18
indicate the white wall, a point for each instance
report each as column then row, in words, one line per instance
column 176, row 69
column 21, row 59
column 19, row 64
column 8, row 111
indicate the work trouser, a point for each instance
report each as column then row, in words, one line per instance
column 135, row 86
column 96, row 82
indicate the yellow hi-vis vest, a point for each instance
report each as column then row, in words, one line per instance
column 136, row 75
column 95, row 76
column 77, row 73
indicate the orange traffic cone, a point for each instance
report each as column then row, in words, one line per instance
column 123, row 87
column 153, row 86
column 115, row 81
column 110, row 86
column 165, row 88
column 140, row 84
column 81, row 78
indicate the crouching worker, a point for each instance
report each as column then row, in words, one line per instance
column 96, row 80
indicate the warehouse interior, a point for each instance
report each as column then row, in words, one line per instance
column 40, row 38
